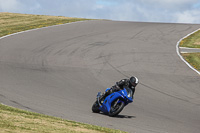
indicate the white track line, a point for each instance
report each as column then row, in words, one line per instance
column 187, row 48
column 178, row 51
column 39, row 28
column 184, row 52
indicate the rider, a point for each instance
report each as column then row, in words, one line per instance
column 130, row 83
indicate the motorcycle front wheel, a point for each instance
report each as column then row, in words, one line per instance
column 116, row 109
column 95, row 107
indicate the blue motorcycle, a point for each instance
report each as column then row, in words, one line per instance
column 114, row 103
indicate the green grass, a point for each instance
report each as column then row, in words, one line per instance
column 16, row 120
column 14, row 22
column 192, row 41
column 193, row 59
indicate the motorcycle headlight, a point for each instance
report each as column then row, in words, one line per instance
column 129, row 95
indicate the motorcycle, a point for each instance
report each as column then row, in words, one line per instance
column 114, row 103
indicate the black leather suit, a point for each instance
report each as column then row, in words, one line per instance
column 118, row 86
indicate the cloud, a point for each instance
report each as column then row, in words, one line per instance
column 10, row 6
column 190, row 16
column 182, row 11
column 178, row 11
column 172, row 5
column 19, row 6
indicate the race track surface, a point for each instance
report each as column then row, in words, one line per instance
column 189, row 50
column 59, row 70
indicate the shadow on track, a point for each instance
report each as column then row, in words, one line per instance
column 125, row 116
column 120, row 116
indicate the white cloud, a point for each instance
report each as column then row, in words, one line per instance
column 191, row 16
column 182, row 11
column 35, row 6
column 10, row 5
column 171, row 1
column 19, row 6
column 178, row 11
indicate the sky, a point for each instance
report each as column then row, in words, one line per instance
column 167, row 11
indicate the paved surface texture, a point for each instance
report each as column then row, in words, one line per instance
column 59, row 70
column 189, row 50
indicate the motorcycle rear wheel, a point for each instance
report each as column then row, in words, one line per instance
column 114, row 111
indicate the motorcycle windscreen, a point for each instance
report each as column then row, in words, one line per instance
column 128, row 93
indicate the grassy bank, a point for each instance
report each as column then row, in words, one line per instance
column 192, row 41
column 193, row 59
column 16, row 120
column 13, row 22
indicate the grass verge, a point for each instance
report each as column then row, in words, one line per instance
column 193, row 59
column 16, row 120
column 14, row 22
column 192, row 41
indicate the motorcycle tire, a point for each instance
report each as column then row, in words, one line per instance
column 114, row 111
column 95, row 107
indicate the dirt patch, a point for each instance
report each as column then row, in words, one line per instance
column 85, row 130
column 197, row 43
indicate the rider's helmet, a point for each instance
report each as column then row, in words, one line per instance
column 134, row 81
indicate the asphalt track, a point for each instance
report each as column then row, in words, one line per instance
column 189, row 50
column 58, row 71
